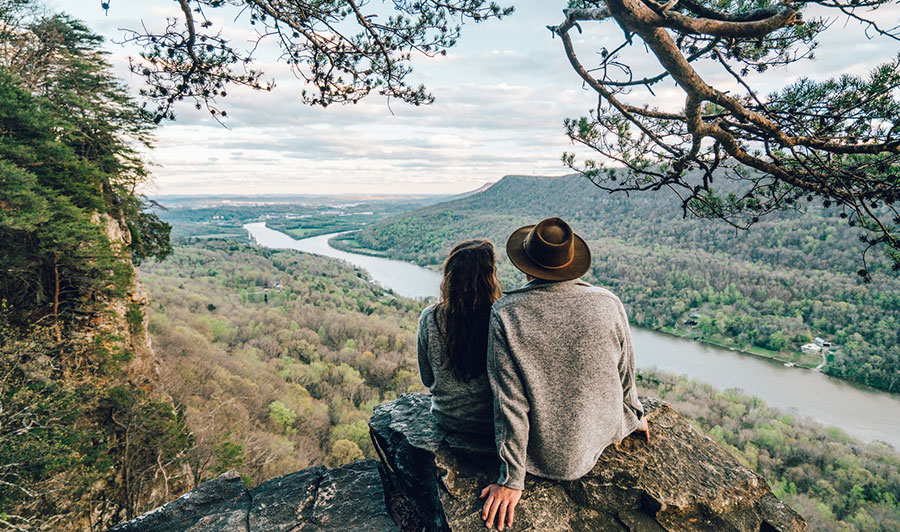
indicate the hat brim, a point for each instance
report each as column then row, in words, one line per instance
column 515, row 250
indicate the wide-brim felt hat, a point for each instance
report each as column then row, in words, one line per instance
column 549, row 250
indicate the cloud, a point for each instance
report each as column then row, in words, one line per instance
column 501, row 97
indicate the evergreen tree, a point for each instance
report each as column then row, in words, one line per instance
column 81, row 447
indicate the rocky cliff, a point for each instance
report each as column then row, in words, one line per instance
column 124, row 318
column 429, row 480
column 312, row 500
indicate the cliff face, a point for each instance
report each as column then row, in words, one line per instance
column 86, row 438
column 429, row 480
column 125, row 317
column 118, row 325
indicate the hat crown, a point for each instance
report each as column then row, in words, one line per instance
column 551, row 244
column 555, row 234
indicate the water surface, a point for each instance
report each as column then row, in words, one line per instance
column 404, row 278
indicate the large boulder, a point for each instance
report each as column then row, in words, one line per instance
column 312, row 500
column 679, row 481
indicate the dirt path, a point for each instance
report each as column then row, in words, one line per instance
column 824, row 360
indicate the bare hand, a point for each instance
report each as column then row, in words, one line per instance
column 645, row 428
column 501, row 503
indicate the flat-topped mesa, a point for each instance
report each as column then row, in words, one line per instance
column 679, row 481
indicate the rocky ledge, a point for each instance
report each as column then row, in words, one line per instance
column 313, row 500
column 429, row 480
column 679, row 481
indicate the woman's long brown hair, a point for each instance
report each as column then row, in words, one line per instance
column 468, row 289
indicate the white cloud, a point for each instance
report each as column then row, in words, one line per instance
column 501, row 98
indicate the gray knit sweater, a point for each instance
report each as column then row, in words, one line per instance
column 457, row 405
column 561, row 367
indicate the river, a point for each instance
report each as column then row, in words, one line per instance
column 863, row 412
column 404, row 278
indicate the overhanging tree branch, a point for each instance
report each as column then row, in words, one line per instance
column 341, row 49
column 833, row 140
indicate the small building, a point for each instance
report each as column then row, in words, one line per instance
column 811, row 349
column 694, row 316
column 821, row 342
column 690, row 322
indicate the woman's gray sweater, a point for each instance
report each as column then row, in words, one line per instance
column 457, row 405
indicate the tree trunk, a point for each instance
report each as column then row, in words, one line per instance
column 56, row 285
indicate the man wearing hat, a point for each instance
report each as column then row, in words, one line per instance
column 561, row 368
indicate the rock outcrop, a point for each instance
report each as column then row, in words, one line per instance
column 312, row 500
column 679, row 481
column 429, row 480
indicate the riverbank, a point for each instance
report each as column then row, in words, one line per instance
column 404, row 279
column 799, row 360
column 346, row 242
column 300, row 233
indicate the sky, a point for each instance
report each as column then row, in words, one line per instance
column 501, row 97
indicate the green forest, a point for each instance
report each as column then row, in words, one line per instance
column 274, row 380
column 84, row 437
column 769, row 290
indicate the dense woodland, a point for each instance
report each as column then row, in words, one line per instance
column 276, row 379
column 84, row 439
column 773, row 288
